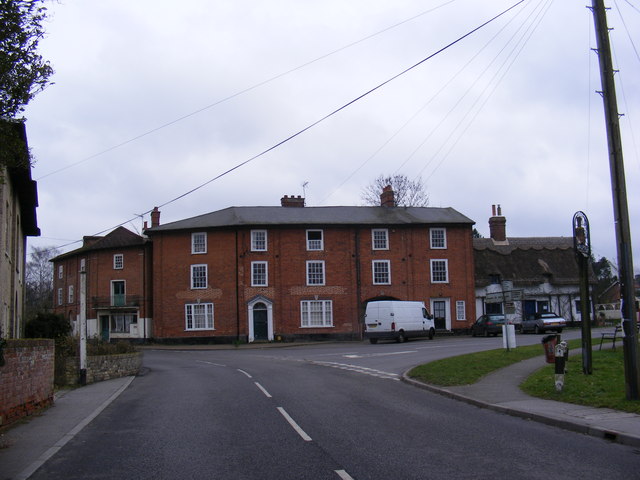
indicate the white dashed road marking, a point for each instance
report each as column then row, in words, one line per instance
column 295, row 426
column 343, row 475
column 263, row 390
column 211, row 363
column 358, row 369
column 369, row 355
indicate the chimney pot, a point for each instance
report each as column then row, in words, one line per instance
column 387, row 197
column 292, row 201
column 498, row 226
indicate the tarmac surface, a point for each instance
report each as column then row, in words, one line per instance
column 28, row 445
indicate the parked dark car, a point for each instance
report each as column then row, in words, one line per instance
column 486, row 325
column 543, row 322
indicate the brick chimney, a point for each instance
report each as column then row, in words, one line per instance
column 155, row 217
column 387, row 197
column 292, row 201
column 497, row 225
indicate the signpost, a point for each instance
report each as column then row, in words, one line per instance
column 582, row 249
column 507, row 297
column 496, row 297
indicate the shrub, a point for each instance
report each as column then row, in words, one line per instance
column 70, row 347
column 100, row 347
column 67, row 346
column 47, row 325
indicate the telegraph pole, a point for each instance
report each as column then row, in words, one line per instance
column 620, row 209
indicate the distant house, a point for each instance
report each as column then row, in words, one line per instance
column 18, row 202
column 608, row 306
column 541, row 272
column 296, row 272
column 117, row 270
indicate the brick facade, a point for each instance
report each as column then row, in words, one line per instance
column 307, row 274
column 97, row 259
column 347, row 255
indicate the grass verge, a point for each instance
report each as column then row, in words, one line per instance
column 469, row 368
column 605, row 388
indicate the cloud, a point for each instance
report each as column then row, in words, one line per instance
column 524, row 131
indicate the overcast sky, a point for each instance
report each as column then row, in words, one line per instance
column 154, row 98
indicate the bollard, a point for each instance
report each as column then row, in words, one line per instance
column 561, row 354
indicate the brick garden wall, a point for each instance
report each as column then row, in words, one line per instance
column 26, row 379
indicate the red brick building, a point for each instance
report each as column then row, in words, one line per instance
column 297, row 272
column 117, row 270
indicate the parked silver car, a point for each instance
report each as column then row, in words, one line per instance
column 543, row 322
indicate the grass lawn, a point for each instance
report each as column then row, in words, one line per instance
column 604, row 388
column 469, row 368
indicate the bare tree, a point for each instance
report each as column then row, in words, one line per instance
column 39, row 281
column 408, row 193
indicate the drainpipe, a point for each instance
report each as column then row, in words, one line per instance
column 358, row 281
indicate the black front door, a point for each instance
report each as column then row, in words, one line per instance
column 260, row 324
column 440, row 314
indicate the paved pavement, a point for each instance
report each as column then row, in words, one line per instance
column 500, row 391
column 28, row 445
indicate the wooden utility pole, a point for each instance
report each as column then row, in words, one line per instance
column 620, row 209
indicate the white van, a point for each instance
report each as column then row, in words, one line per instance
column 397, row 320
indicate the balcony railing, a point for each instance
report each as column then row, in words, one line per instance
column 116, row 301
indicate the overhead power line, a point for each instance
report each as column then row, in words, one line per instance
column 317, row 122
column 241, row 92
column 339, row 109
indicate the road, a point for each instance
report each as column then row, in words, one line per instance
column 334, row 411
